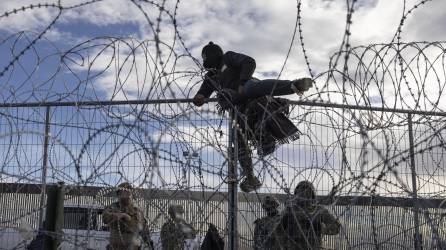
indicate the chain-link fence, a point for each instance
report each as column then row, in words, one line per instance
column 386, row 167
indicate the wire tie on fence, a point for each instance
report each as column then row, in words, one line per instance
column 231, row 180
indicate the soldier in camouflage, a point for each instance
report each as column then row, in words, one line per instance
column 303, row 221
column 127, row 224
column 176, row 230
column 264, row 235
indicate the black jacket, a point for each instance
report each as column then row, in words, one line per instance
column 237, row 69
column 267, row 119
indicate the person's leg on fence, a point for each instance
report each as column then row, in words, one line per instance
column 244, row 155
column 250, row 181
column 255, row 88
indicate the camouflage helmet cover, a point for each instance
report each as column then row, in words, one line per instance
column 124, row 186
column 174, row 209
column 270, row 202
column 305, row 189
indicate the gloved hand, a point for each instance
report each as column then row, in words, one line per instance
column 198, row 100
column 301, row 85
column 305, row 83
column 124, row 216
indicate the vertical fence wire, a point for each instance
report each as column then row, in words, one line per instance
column 315, row 157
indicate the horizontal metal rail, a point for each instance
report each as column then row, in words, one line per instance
column 188, row 100
column 384, row 201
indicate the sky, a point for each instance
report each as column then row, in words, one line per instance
column 108, row 50
column 262, row 29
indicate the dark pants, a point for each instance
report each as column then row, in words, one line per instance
column 256, row 88
column 244, row 155
column 253, row 89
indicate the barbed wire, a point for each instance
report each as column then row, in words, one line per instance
column 182, row 151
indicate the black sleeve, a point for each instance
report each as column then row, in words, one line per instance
column 207, row 87
column 246, row 64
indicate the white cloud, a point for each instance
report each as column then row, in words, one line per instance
column 103, row 13
column 30, row 19
column 262, row 29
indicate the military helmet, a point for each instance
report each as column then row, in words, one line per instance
column 173, row 209
column 124, row 186
column 270, row 202
column 305, row 189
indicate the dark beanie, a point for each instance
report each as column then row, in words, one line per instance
column 213, row 55
column 211, row 50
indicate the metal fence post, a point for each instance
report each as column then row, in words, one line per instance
column 232, row 182
column 44, row 165
column 417, row 236
column 54, row 216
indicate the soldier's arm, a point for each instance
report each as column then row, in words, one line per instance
column 257, row 236
column 108, row 215
column 285, row 218
column 194, row 233
column 165, row 239
column 330, row 225
column 146, row 230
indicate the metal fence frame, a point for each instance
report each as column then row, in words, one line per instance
column 415, row 202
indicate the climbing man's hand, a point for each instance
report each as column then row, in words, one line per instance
column 198, row 100
column 306, row 83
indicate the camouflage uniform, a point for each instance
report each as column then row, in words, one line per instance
column 126, row 234
column 304, row 222
column 174, row 233
column 304, row 226
column 265, row 237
